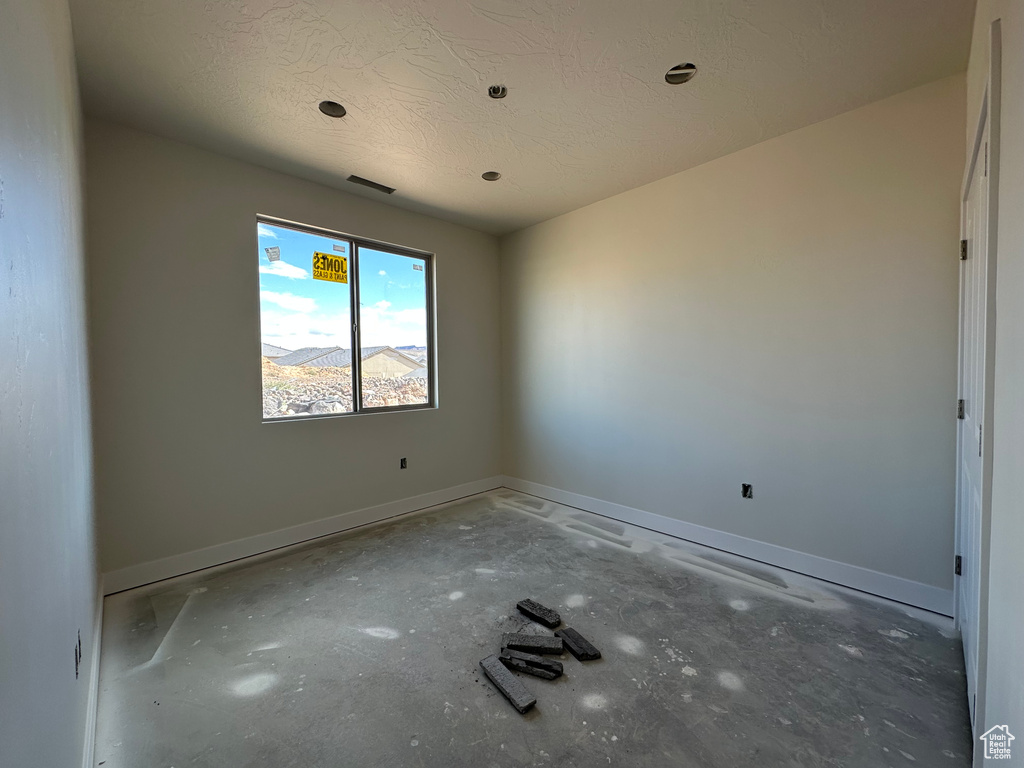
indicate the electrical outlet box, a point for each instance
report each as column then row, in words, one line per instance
column 403, row 464
column 748, row 490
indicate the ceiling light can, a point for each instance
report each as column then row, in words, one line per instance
column 332, row 109
column 490, row 176
column 681, row 73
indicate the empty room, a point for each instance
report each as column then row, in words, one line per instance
column 511, row 383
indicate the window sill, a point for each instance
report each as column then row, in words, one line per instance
column 364, row 412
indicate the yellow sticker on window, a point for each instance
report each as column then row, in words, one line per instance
column 327, row 266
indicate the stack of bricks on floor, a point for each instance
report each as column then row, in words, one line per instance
column 522, row 652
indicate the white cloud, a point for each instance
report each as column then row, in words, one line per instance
column 289, row 301
column 381, row 326
column 284, row 269
column 383, row 304
column 293, row 330
column 382, row 273
column 264, row 231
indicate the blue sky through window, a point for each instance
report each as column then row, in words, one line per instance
column 297, row 311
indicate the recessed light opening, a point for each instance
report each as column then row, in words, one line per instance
column 680, row 73
column 490, row 176
column 497, row 91
column 332, row 109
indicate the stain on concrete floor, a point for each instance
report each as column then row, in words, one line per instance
column 362, row 650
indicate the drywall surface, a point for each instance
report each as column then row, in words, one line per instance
column 1001, row 694
column 785, row 316
column 183, row 460
column 588, row 112
column 48, row 585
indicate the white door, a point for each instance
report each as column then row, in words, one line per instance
column 970, row 485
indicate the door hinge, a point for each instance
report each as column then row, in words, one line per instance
column 979, row 439
column 963, row 250
column 959, row 409
column 958, row 566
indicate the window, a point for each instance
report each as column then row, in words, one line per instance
column 310, row 280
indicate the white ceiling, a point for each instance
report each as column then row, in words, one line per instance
column 588, row 113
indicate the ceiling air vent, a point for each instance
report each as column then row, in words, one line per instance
column 371, row 184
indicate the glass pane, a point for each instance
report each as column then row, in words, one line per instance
column 393, row 329
column 305, row 325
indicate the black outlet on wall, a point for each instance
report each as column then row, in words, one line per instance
column 403, row 464
column 748, row 490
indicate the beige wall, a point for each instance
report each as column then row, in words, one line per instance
column 784, row 316
column 1001, row 696
column 48, row 581
column 182, row 458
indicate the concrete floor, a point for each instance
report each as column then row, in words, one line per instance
column 362, row 650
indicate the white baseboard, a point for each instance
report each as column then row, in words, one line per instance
column 218, row 554
column 902, row 590
column 89, row 748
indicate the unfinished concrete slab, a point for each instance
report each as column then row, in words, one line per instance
column 363, row 650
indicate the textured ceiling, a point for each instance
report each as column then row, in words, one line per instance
column 588, row 113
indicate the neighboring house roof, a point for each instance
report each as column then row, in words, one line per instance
column 301, row 356
column 407, row 358
column 419, row 373
column 336, row 357
column 269, row 350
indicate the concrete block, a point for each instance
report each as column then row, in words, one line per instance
column 539, row 613
column 537, row 662
column 509, row 685
column 517, row 665
column 519, row 641
column 578, row 645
